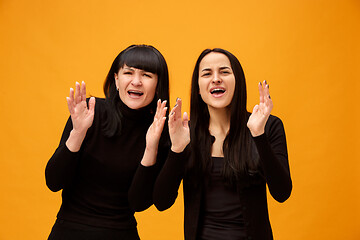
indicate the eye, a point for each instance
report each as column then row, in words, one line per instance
column 148, row 75
column 205, row 74
column 127, row 72
column 225, row 72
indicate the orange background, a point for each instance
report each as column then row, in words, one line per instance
column 308, row 51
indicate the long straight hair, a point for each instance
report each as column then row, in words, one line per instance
column 144, row 57
column 238, row 150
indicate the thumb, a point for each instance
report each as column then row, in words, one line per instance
column 255, row 109
column 92, row 104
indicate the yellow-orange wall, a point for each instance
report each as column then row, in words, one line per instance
column 308, row 50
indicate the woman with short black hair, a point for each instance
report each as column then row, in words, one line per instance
column 112, row 149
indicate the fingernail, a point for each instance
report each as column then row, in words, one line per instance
column 260, row 83
column 265, row 81
column 175, row 105
column 269, row 97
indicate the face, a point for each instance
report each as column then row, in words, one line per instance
column 136, row 87
column 216, row 80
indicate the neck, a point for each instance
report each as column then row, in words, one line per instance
column 219, row 120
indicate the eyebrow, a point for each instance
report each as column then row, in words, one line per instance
column 209, row 69
column 222, row 68
column 129, row 68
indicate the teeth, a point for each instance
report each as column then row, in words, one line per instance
column 136, row 92
column 217, row 90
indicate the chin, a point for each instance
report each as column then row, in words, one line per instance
column 219, row 105
column 135, row 106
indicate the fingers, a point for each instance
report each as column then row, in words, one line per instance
column 186, row 120
column 83, row 91
column 267, row 98
column 158, row 104
column 177, row 108
column 163, row 110
column 70, row 101
column 172, row 117
column 77, row 93
column 160, row 111
column 261, row 92
column 71, row 95
column 70, row 105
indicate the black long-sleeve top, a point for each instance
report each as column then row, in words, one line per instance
column 274, row 171
column 104, row 183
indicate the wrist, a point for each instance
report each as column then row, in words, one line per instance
column 177, row 149
column 75, row 140
column 149, row 158
column 77, row 133
column 257, row 133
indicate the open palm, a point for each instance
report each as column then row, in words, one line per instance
column 261, row 111
column 82, row 117
column 154, row 132
column 178, row 128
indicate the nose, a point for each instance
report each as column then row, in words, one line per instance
column 136, row 81
column 216, row 79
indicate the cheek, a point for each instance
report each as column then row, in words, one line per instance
column 202, row 87
column 151, row 88
column 122, row 84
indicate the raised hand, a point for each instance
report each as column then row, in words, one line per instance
column 154, row 132
column 178, row 128
column 261, row 111
column 82, row 117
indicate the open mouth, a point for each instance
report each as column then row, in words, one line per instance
column 134, row 93
column 217, row 91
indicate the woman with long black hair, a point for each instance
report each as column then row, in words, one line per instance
column 112, row 149
column 232, row 155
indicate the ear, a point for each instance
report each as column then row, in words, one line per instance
column 116, row 80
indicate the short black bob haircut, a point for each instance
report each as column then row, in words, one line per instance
column 238, row 148
column 144, row 57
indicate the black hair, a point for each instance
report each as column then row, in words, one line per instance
column 144, row 57
column 238, row 145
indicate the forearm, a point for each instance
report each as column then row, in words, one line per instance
column 140, row 194
column 169, row 179
column 273, row 155
column 141, row 189
column 61, row 168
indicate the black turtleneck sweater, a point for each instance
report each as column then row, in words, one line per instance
column 104, row 183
